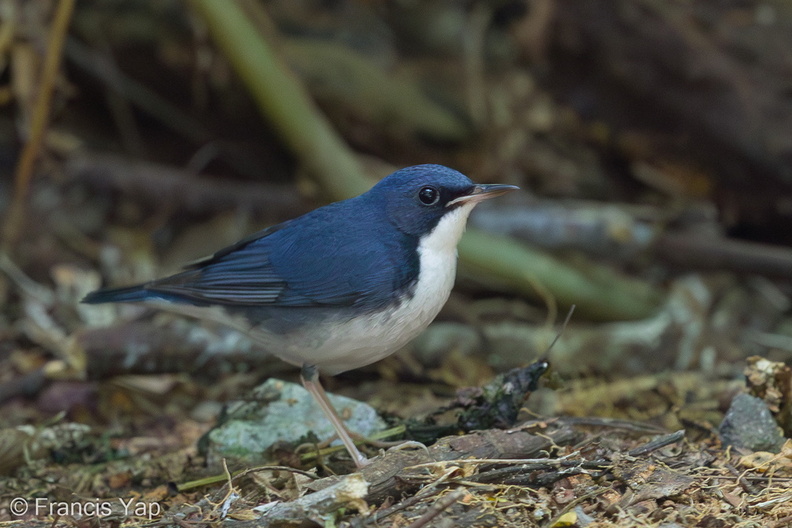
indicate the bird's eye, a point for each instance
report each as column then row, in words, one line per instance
column 429, row 195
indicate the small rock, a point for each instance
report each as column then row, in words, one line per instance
column 279, row 411
column 748, row 424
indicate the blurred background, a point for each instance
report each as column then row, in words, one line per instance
column 652, row 141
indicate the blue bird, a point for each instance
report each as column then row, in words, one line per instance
column 340, row 287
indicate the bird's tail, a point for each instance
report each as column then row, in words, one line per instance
column 128, row 294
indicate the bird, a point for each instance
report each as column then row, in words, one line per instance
column 339, row 287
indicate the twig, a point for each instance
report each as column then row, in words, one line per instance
column 428, row 491
column 501, row 475
column 237, row 474
column 26, row 285
column 657, row 443
column 742, row 481
column 24, row 169
column 510, row 461
column 560, row 332
column 231, row 496
column 438, row 508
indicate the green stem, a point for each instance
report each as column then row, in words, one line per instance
column 597, row 291
column 283, row 101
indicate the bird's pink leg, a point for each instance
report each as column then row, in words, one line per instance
column 309, row 376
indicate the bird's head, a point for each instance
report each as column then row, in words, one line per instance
column 417, row 198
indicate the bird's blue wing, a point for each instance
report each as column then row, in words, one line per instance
column 318, row 264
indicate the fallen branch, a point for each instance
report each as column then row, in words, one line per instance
column 147, row 348
column 155, row 183
column 384, row 473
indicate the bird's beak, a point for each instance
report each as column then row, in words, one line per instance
column 483, row 192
